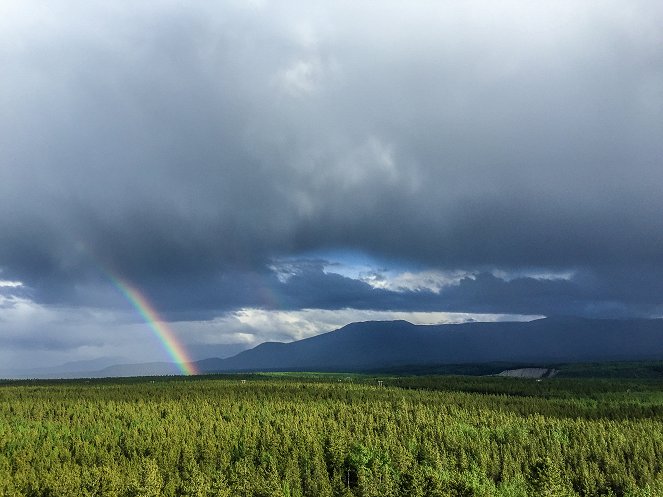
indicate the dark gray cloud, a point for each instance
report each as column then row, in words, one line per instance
column 311, row 286
column 585, row 294
column 187, row 146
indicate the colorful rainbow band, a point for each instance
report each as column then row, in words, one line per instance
column 170, row 343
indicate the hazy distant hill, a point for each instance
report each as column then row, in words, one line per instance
column 68, row 370
column 95, row 369
column 377, row 345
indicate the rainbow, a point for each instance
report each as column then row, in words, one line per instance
column 161, row 330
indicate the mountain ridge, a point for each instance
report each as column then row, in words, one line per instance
column 372, row 345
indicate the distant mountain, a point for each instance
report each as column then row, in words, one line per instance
column 141, row 369
column 95, row 370
column 107, row 367
column 378, row 345
column 66, row 370
column 403, row 347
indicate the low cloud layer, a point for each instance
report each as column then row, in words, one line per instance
column 190, row 147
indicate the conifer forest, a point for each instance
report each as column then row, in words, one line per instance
column 331, row 435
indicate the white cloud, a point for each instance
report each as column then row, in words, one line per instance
column 537, row 274
column 253, row 326
column 431, row 280
column 415, row 281
column 371, row 272
column 302, row 77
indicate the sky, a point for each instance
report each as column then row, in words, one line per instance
column 272, row 170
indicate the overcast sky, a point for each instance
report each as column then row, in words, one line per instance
column 270, row 170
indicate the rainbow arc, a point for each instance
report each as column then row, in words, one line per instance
column 159, row 326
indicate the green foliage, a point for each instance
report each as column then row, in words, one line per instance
column 316, row 436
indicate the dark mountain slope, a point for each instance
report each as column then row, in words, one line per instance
column 380, row 344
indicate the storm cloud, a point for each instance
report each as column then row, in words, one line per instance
column 189, row 147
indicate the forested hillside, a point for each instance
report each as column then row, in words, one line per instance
column 331, row 436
